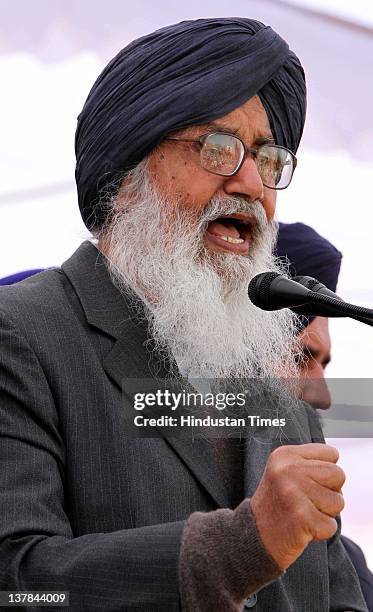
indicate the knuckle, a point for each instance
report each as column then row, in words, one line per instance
column 335, row 505
column 274, row 472
column 331, row 474
column 336, row 475
column 342, row 476
column 333, row 452
column 280, row 458
column 287, row 488
column 326, row 528
column 340, row 503
column 299, row 516
column 332, row 527
column 277, row 454
column 283, row 451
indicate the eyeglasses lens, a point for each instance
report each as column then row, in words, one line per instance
column 222, row 154
column 275, row 166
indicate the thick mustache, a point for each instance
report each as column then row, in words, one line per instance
column 223, row 207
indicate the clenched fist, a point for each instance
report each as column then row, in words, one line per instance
column 297, row 499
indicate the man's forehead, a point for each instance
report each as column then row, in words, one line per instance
column 248, row 121
column 243, row 129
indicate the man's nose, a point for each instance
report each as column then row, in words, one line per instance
column 247, row 182
column 315, row 390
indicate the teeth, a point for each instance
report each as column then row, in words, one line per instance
column 232, row 240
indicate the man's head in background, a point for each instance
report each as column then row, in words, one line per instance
column 309, row 254
column 181, row 145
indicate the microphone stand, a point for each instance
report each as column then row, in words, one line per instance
column 304, row 295
column 359, row 313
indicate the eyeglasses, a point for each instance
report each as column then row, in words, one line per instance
column 223, row 154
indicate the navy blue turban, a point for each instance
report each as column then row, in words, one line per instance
column 308, row 254
column 182, row 75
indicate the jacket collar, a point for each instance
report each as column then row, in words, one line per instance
column 103, row 304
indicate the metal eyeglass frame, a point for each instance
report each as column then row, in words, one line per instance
column 246, row 151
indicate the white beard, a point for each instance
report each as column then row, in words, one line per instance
column 196, row 300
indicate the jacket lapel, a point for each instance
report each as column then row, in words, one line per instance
column 196, row 454
column 130, row 358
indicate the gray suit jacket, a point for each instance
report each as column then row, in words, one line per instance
column 85, row 508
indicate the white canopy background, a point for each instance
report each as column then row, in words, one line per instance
column 52, row 51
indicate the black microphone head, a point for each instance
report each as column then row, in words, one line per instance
column 272, row 291
column 259, row 287
column 317, row 287
column 309, row 282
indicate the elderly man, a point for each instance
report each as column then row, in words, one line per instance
column 181, row 145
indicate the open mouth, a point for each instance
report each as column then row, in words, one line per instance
column 230, row 233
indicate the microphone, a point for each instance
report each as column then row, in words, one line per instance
column 272, row 291
column 317, row 287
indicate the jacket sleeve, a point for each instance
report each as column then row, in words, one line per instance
column 223, row 560
column 127, row 569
